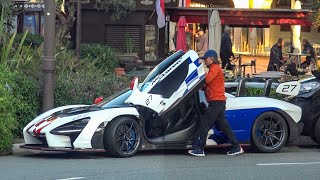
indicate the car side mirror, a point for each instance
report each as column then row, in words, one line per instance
column 134, row 83
column 98, row 100
column 289, row 88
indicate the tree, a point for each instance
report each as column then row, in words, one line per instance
column 118, row 9
column 314, row 6
column 65, row 20
column 7, row 5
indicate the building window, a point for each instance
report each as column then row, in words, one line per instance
column 117, row 36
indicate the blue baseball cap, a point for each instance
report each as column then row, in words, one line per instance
column 209, row 53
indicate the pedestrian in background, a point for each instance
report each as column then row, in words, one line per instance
column 201, row 42
column 314, row 69
column 308, row 49
column 226, row 49
column 215, row 113
column 291, row 67
column 276, row 58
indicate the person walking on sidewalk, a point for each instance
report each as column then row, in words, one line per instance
column 215, row 114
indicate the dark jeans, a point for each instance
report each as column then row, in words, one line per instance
column 306, row 63
column 273, row 67
column 226, row 64
column 215, row 115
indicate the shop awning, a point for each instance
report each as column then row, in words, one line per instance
column 244, row 17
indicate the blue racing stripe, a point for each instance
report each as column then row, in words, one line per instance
column 192, row 76
column 189, row 60
column 196, row 62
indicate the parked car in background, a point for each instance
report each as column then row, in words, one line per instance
column 309, row 101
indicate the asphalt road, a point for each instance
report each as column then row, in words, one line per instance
column 290, row 163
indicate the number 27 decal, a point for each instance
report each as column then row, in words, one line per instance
column 288, row 88
column 148, row 101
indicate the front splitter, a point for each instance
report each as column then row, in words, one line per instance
column 43, row 148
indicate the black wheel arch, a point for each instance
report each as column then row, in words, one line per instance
column 294, row 129
column 127, row 115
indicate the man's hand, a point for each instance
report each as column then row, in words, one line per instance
column 206, row 70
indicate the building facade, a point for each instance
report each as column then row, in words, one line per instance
column 257, row 24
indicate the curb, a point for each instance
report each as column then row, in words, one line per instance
column 16, row 150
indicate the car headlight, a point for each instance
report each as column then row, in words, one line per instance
column 71, row 128
column 310, row 86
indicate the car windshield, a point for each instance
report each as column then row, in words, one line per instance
column 115, row 100
column 160, row 68
column 309, row 87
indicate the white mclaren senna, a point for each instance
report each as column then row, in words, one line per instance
column 163, row 112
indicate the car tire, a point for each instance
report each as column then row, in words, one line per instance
column 122, row 137
column 269, row 132
column 316, row 136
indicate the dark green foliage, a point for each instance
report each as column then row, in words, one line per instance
column 31, row 40
column 314, row 6
column 102, row 56
column 7, row 121
column 25, row 97
column 7, row 118
column 83, row 87
column 9, row 12
column 119, row 8
column 259, row 92
column 27, row 102
column 82, row 82
column 30, row 62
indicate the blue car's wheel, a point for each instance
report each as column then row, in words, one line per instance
column 269, row 132
column 122, row 137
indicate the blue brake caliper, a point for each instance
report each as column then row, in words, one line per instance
column 133, row 138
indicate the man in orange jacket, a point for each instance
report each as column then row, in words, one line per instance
column 215, row 114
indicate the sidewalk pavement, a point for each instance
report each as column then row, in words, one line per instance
column 303, row 141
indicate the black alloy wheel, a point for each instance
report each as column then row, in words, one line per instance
column 269, row 133
column 122, row 137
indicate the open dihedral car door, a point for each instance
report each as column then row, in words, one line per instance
column 169, row 82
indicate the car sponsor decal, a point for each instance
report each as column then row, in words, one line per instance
column 81, row 116
column 162, row 75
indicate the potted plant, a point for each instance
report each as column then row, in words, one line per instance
column 128, row 56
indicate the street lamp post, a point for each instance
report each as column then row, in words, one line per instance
column 48, row 58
